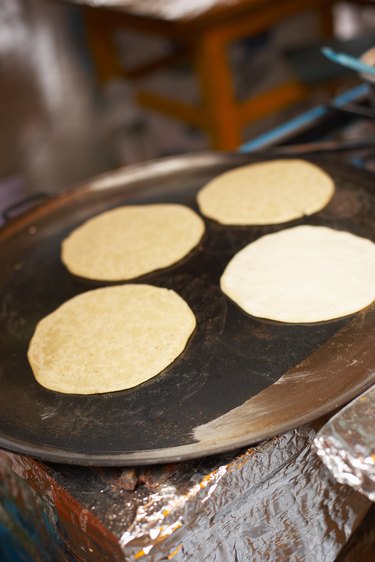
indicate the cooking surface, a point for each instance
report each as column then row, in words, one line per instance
column 230, row 358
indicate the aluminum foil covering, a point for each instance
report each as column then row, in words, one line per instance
column 162, row 9
column 346, row 444
column 275, row 501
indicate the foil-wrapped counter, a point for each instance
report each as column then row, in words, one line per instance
column 346, row 444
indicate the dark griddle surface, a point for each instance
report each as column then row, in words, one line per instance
column 230, row 357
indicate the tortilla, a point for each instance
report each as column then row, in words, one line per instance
column 110, row 339
column 127, row 242
column 302, row 274
column 266, row 193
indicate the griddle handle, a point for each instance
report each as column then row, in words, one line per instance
column 22, row 206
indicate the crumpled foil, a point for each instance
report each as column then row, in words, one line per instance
column 275, row 501
column 346, row 444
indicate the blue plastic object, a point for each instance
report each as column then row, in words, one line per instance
column 348, row 60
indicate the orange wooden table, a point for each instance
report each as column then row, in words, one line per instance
column 203, row 34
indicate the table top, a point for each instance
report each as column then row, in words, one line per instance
column 173, row 10
column 185, row 10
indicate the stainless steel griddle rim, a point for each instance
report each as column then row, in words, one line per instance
column 183, row 452
column 126, row 178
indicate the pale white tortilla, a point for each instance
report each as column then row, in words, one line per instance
column 110, row 339
column 302, row 274
column 127, row 242
column 266, row 193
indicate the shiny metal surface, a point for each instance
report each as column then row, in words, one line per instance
column 346, row 444
column 272, row 502
column 260, row 504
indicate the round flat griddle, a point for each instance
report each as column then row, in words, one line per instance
column 220, row 393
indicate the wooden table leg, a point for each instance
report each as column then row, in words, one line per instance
column 99, row 33
column 218, row 100
column 326, row 20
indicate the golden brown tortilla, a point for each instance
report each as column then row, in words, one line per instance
column 127, row 242
column 110, row 339
column 266, row 193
